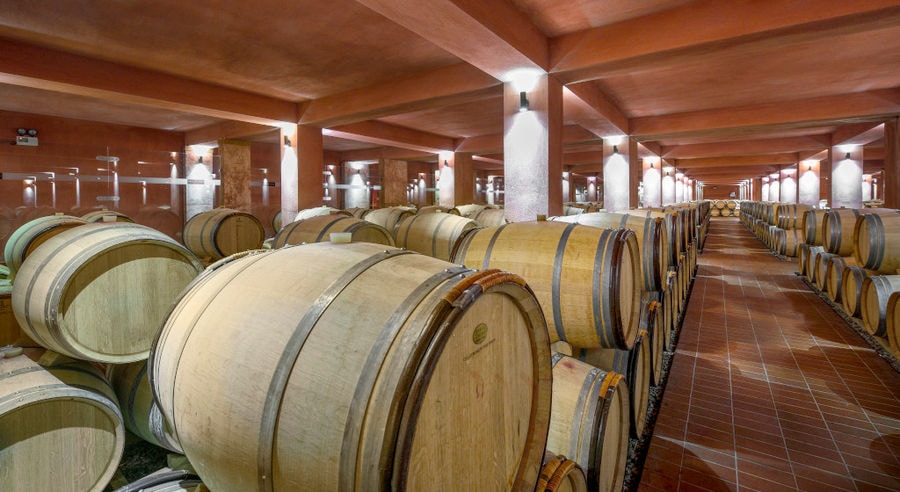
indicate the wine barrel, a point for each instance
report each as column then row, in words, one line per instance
column 788, row 242
column 140, row 412
column 490, row 217
column 433, row 233
column 468, row 211
column 315, row 212
column 636, row 365
column 106, row 216
column 166, row 480
column 336, row 382
column 560, row 474
column 892, row 323
column 834, row 275
column 877, row 242
column 652, row 322
column 814, row 254
column 431, row 209
column 673, row 230
column 161, row 219
column 101, row 291
column 60, row 426
column 851, row 289
column 34, row 233
column 586, row 279
column 589, row 421
column 651, row 235
column 318, row 229
column 873, row 297
column 840, row 224
column 358, row 212
column 813, row 224
column 389, row 217
column 221, row 232
column 821, row 267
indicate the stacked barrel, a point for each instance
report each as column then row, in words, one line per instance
column 851, row 256
column 724, row 208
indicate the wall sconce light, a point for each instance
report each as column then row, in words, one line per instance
column 847, row 156
column 668, row 173
column 615, row 149
column 523, row 102
column 809, row 167
column 651, row 165
column 287, row 141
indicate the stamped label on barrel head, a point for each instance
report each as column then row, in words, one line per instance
column 480, row 333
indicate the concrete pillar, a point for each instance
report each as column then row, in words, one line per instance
column 235, row 158
column 788, row 185
column 289, row 175
column 679, row 188
column 668, row 184
column 808, row 183
column 200, row 190
column 457, row 183
column 394, row 183
column 652, row 180
column 774, row 188
column 532, row 150
column 310, row 164
column 616, row 175
column 889, row 184
column 846, row 176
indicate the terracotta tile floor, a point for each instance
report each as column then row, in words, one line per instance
column 769, row 389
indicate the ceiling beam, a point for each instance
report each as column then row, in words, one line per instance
column 859, row 134
column 591, row 94
column 696, row 27
column 229, row 129
column 861, row 106
column 390, row 135
column 493, row 36
column 455, row 84
column 737, row 161
column 741, row 147
column 42, row 68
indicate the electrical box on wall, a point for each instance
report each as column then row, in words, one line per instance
column 29, row 141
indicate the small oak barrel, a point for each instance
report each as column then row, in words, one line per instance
column 60, row 426
column 587, row 279
column 139, row 411
column 892, row 323
column 851, row 289
column 106, row 216
column 34, row 233
column 432, row 233
column 560, row 474
column 636, row 366
column 389, row 217
column 346, row 363
column 318, row 229
column 652, row 238
column 100, row 292
column 589, row 421
column 877, row 241
column 873, row 298
column 222, row 232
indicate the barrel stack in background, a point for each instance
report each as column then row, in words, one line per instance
column 851, row 257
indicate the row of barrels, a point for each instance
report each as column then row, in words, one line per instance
column 852, row 256
column 602, row 326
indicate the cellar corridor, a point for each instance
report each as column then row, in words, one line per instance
column 770, row 389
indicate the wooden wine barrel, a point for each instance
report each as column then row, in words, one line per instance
column 821, row 267
column 560, row 474
column 397, row 350
column 808, row 260
column 873, row 297
column 101, row 291
column 469, row 210
column 589, row 421
column 34, row 233
column 106, row 216
column 834, row 275
column 490, row 217
column 790, row 215
column 389, row 217
column 814, row 254
column 840, row 225
column 813, row 224
column 651, row 235
column 652, row 322
column 358, row 212
column 673, row 230
column 586, row 279
column 851, row 289
column 318, row 229
column 877, row 242
column 788, row 242
column 161, row 219
column 222, row 232
column 431, row 209
column 140, row 412
column 315, row 212
column 892, row 323
column 636, row 365
column 434, row 234
column 802, row 258
column 60, row 426
column 166, row 480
